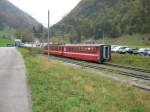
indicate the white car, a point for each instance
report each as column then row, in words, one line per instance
column 29, row 45
column 113, row 46
column 123, row 50
column 115, row 49
column 119, row 48
column 146, row 52
column 142, row 50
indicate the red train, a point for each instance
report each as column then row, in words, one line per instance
column 96, row 53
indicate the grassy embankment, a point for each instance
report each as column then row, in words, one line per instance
column 135, row 40
column 61, row 88
column 131, row 60
column 4, row 42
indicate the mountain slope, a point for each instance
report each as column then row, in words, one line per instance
column 14, row 17
column 114, row 17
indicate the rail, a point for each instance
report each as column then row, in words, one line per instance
column 123, row 70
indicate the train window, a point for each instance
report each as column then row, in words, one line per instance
column 71, row 49
column 75, row 49
column 65, row 49
column 80, row 49
column 84, row 49
column 89, row 49
column 93, row 50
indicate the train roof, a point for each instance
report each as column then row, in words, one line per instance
column 79, row 44
column 83, row 44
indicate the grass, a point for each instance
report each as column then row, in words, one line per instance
column 4, row 42
column 135, row 40
column 34, row 50
column 131, row 60
column 61, row 88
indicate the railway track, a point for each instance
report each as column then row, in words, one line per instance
column 123, row 72
column 127, row 67
column 137, row 73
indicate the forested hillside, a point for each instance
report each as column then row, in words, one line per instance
column 12, row 17
column 114, row 17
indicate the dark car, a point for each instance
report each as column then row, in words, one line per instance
column 133, row 51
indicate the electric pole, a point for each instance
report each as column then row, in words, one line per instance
column 48, row 33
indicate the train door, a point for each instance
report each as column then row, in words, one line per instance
column 106, row 53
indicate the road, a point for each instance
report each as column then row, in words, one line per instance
column 14, row 92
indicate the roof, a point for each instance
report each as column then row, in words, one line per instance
column 84, row 44
column 78, row 44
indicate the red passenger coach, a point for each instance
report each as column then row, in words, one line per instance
column 56, row 50
column 97, row 53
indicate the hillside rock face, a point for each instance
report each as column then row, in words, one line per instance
column 115, row 17
column 12, row 16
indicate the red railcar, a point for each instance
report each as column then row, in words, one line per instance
column 97, row 53
column 56, row 50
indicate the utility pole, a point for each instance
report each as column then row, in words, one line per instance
column 48, row 33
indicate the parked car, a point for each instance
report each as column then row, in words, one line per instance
column 112, row 47
column 115, row 49
column 133, row 51
column 141, row 51
column 123, row 50
column 146, row 52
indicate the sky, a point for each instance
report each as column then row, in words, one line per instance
column 39, row 9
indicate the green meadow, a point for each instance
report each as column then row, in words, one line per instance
column 58, row 87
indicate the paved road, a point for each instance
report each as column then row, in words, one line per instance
column 14, row 95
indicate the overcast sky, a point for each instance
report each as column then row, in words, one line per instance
column 38, row 8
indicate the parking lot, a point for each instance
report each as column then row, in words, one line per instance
column 129, row 50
